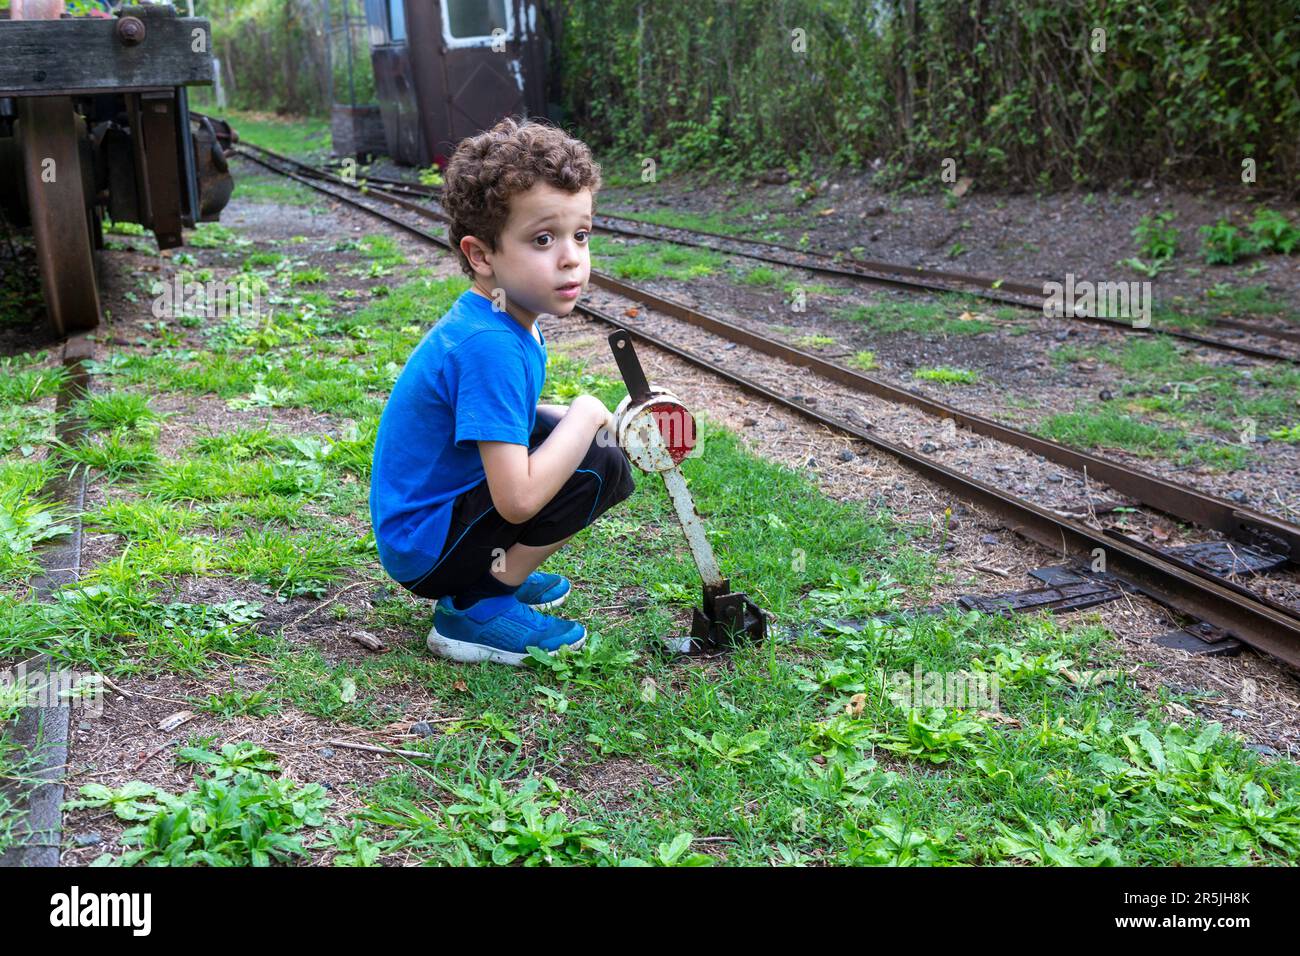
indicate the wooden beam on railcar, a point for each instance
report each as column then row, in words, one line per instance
column 83, row 56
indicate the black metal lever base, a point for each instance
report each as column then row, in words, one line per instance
column 725, row 620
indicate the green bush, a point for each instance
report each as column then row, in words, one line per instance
column 1016, row 91
column 1156, row 238
column 1273, row 232
column 1223, row 244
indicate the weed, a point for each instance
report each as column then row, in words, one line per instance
column 943, row 317
column 948, row 376
column 1223, row 244
column 119, row 454
column 313, row 276
column 1273, row 232
column 723, row 748
column 117, row 410
column 864, row 360
column 239, row 816
column 211, row 235
column 1156, row 239
column 236, row 703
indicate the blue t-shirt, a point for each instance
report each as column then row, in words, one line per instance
column 476, row 376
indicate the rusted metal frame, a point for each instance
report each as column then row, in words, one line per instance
column 49, row 128
column 1191, row 568
column 723, row 615
column 157, row 112
column 134, row 117
column 1286, row 334
column 1056, row 598
column 1247, row 618
column 185, row 153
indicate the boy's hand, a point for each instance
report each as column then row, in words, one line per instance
column 595, row 410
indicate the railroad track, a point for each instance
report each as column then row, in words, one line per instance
column 990, row 288
column 1175, row 580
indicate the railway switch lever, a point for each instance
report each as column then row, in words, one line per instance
column 657, row 431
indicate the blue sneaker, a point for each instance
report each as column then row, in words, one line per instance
column 498, row 629
column 542, row 591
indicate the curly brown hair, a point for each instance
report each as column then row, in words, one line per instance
column 487, row 169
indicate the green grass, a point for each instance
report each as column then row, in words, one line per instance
column 814, row 341
column 914, row 317
column 383, row 250
column 1163, row 382
column 313, row 276
column 242, row 813
column 213, row 235
column 119, row 454
column 236, row 703
column 24, row 428
column 22, row 386
column 253, row 184
column 303, row 138
column 1104, row 426
column 567, row 378
column 783, row 752
column 259, row 260
column 763, row 276
column 681, row 219
column 653, row 260
column 125, row 410
column 947, row 376
column 26, row 518
column 1247, row 302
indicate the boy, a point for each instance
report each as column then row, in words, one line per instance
column 474, row 484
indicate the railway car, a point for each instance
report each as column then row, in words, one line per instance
column 94, row 121
column 447, row 69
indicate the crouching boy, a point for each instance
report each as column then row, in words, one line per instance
column 474, row 483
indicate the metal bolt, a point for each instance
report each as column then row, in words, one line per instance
column 130, row 30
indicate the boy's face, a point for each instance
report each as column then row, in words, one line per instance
column 541, row 260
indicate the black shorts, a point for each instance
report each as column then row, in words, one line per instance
column 478, row 534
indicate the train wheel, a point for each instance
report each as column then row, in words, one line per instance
column 49, row 131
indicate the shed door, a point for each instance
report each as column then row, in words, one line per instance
column 483, row 85
column 394, row 80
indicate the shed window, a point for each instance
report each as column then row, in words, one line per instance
column 397, row 20
column 475, row 19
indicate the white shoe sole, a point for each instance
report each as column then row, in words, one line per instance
column 546, row 606
column 468, row 653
